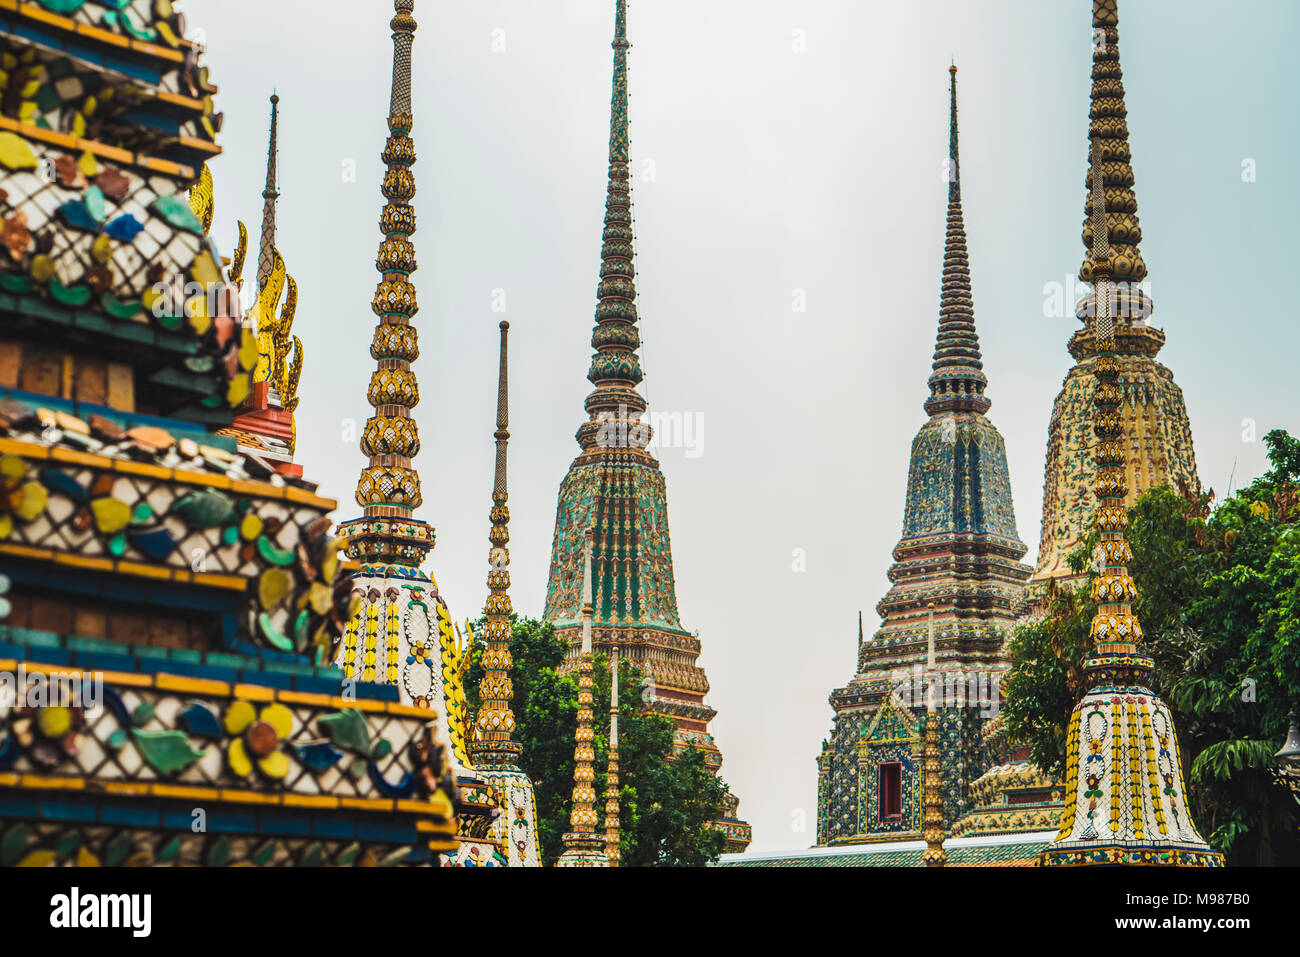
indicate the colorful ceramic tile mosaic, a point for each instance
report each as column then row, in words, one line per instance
column 175, row 589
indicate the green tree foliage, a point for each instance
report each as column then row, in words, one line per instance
column 1046, row 680
column 1219, row 602
column 667, row 802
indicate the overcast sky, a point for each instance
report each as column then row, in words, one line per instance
column 786, row 151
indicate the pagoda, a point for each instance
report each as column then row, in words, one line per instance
column 165, row 659
column 615, row 488
column 402, row 635
column 1126, row 798
column 956, row 575
column 1155, row 419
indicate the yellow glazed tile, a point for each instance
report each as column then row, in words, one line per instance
column 203, row 686
column 253, row 692
column 310, row 800
column 61, row 784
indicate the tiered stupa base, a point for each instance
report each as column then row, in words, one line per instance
column 584, row 850
column 1128, row 807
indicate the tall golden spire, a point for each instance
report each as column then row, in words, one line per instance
column 1114, row 628
column 1108, row 132
column 612, row 845
column 270, row 193
column 1155, row 415
column 496, row 720
column 389, row 487
column 584, row 845
column 1121, row 731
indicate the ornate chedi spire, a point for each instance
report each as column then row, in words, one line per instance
column 1154, row 413
column 495, row 723
column 402, row 634
column 957, row 382
column 615, row 486
column 615, row 407
column 1121, row 747
column 956, row 565
column 584, row 845
column 494, row 751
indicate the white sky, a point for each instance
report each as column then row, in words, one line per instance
column 774, row 170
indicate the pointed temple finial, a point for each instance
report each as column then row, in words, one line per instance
column 612, row 848
column 615, row 407
column 619, row 148
column 1120, row 724
column 584, row 846
column 1108, row 136
column 389, row 487
column 954, row 176
column 957, row 381
column 270, row 193
column 496, row 720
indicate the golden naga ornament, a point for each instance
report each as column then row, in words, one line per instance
column 456, row 647
column 240, row 255
column 275, row 340
column 201, row 198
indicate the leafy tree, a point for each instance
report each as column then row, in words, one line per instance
column 1046, row 680
column 1219, row 602
column 666, row 802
